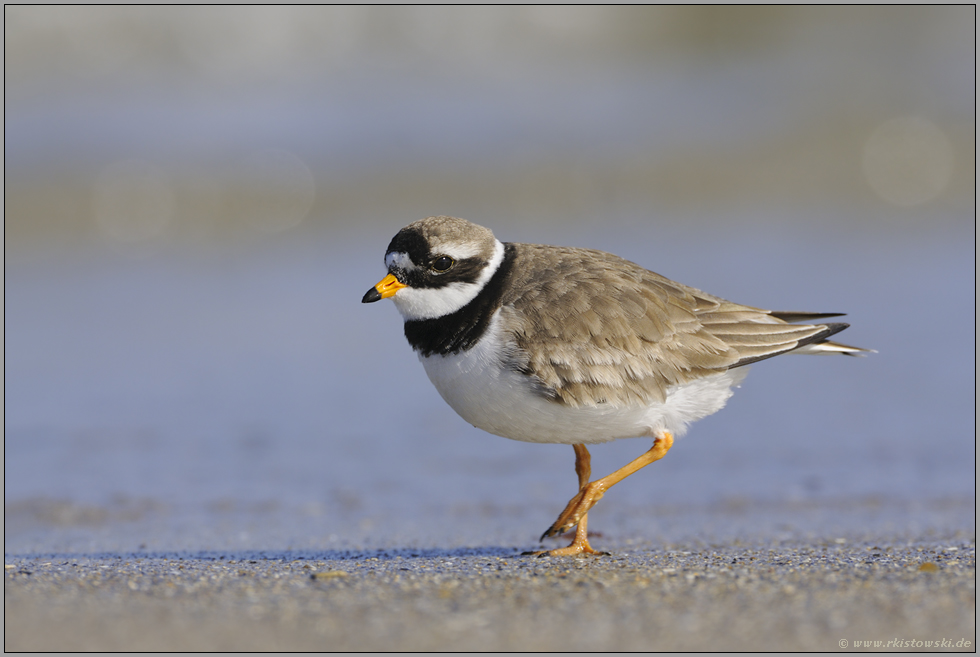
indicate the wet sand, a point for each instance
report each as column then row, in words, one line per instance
column 814, row 595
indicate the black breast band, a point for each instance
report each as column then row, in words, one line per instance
column 460, row 330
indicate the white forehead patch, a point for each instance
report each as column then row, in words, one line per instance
column 429, row 303
column 399, row 260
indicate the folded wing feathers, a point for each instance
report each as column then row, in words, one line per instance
column 614, row 332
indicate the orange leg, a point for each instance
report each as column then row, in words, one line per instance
column 576, row 512
column 583, row 465
column 583, row 468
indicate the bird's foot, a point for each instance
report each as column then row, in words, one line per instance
column 579, row 546
column 572, row 550
column 575, row 510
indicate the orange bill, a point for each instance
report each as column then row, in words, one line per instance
column 386, row 288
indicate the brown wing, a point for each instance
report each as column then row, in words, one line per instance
column 594, row 328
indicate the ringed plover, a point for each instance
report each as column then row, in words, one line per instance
column 554, row 344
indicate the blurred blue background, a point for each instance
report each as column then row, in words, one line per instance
column 197, row 198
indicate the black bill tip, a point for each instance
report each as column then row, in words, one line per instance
column 371, row 296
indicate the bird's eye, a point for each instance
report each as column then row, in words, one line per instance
column 442, row 263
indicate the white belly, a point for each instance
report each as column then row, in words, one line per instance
column 501, row 401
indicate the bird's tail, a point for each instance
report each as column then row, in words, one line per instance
column 821, row 345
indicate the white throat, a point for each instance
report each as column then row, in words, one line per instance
column 429, row 303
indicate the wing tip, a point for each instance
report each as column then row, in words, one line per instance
column 815, row 344
column 793, row 316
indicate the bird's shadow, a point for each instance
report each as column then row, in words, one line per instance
column 257, row 555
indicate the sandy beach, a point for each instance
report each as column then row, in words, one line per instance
column 830, row 595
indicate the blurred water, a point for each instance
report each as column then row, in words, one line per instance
column 195, row 202
column 258, row 384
